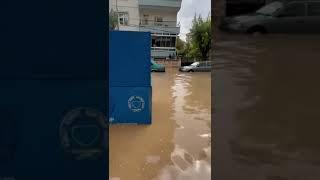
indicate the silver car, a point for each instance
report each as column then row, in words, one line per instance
column 202, row 66
column 278, row 17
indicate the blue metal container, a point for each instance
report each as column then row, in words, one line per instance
column 130, row 105
column 130, row 92
column 129, row 58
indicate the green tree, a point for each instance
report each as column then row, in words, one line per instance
column 192, row 51
column 113, row 20
column 180, row 46
column 200, row 38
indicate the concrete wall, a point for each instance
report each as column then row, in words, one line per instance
column 169, row 16
column 130, row 6
column 162, row 53
column 162, row 3
column 170, row 63
column 136, row 12
column 160, row 29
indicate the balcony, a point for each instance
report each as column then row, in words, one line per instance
column 159, row 27
column 159, row 52
column 175, row 4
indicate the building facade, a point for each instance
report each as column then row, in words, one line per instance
column 156, row 16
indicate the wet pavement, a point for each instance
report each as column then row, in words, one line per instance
column 177, row 146
column 266, row 107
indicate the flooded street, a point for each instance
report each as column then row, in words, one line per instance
column 177, row 144
column 266, row 107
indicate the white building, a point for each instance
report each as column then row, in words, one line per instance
column 156, row 16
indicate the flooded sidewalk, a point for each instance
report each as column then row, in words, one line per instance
column 177, row 144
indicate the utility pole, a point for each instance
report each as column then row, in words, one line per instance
column 117, row 14
column 117, row 5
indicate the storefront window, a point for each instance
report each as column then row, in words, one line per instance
column 163, row 41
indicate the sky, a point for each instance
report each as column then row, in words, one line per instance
column 187, row 12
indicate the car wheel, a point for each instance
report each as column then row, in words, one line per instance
column 257, row 30
column 191, row 70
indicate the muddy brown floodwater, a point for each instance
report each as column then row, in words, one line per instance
column 177, row 146
column 266, row 107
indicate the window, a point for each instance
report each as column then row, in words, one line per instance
column 145, row 19
column 123, row 18
column 270, row 8
column 195, row 64
column 169, row 42
column 154, row 41
column 163, row 41
column 173, row 41
column 157, row 41
column 202, row 64
column 294, row 10
column 158, row 21
column 314, row 9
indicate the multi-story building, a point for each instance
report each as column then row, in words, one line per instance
column 156, row 16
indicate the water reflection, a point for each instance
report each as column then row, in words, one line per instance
column 177, row 145
column 273, row 119
column 190, row 159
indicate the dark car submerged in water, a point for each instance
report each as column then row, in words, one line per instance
column 278, row 17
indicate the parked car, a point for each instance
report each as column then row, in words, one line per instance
column 237, row 7
column 155, row 67
column 202, row 66
column 278, row 17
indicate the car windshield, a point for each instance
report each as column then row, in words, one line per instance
column 270, row 9
column 195, row 64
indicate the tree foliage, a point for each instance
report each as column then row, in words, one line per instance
column 113, row 20
column 201, row 36
column 198, row 42
column 181, row 47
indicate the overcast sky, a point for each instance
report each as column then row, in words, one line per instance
column 187, row 11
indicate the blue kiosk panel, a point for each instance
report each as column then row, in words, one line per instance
column 129, row 58
column 130, row 93
column 130, row 105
